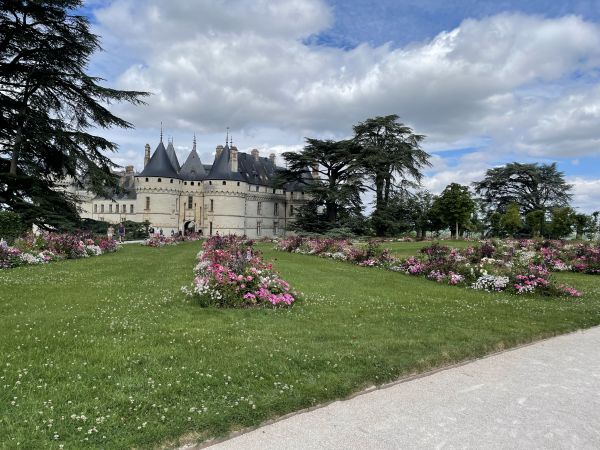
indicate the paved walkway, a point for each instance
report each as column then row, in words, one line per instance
column 545, row 395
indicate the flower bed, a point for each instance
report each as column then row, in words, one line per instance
column 161, row 241
column 47, row 247
column 489, row 266
column 231, row 273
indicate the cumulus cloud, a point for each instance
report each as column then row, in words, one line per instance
column 509, row 84
column 245, row 64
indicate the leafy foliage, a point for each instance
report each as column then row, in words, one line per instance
column 49, row 104
column 11, row 226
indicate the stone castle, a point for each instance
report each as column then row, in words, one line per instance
column 237, row 194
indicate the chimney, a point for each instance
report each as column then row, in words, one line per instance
column 254, row 154
column 146, row 154
column 128, row 169
column 272, row 158
column 218, row 151
column 315, row 170
column 233, row 159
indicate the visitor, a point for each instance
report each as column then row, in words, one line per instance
column 151, row 231
column 121, row 232
column 172, row 232
column 161, row 232
column 110, row 232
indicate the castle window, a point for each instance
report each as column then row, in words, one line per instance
column 95, row 208
column 224, row 183
column 190, row 201
column 238, row 183
column 291, row 195
column 159, row 180
column 212, row 205
column 101, row 208
column 275, row 227
column 110, row 208
column 210, row 182
column 146, row 178
column 257, row 188
column 147, row 203
column 130, row 209
column 171, row 180
column 259, row 208
column 192, row 183
column 291, row 210
column 276, row 209
column 124, row 209
column 185, row 183
column 258, row 228
column 274, row 190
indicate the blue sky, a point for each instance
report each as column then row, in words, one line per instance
column 488, row 82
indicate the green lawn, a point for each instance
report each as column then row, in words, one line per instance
column 107, row 352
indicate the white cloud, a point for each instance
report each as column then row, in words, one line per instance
column 244, row 64
column 586, row 194
column 509, row 85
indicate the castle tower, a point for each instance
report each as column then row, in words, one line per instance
column 254, row 154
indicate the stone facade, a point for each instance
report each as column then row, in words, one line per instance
column 235, row 195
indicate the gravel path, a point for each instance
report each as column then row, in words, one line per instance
column 545, row 395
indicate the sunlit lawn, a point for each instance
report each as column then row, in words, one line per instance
column 107, row 353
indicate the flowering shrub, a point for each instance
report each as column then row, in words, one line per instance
column 514, row 266
column 161, row 241
column 47, row 247
column 341, row 249
column 231, row 273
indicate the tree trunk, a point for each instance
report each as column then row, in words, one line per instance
column 15, row 154
column 456, row 232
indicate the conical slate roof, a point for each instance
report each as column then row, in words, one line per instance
column 192, row 168
column 173, row 156
column 221, row 169
column 159, row 165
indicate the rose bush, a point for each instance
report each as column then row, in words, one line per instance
column 47, row 246
column 519, row 267
column 231, row 273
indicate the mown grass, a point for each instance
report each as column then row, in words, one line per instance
column 113, row 339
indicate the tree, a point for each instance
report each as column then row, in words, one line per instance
column 336, row 183
column 49, row 105
column 510, row 221
column 392, row 158
column 455, row 207
column 561, row 223
column 535, row 222
column 583, row 223
column 533, row 187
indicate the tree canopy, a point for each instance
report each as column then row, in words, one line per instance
column 532, row 187
column 49, row 105
column 392, row 158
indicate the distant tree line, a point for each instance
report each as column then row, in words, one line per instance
column 385, row 157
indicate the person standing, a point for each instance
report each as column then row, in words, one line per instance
column 110, row 232
column 121, row 232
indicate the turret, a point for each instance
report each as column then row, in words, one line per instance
column 254, row 154
column 272, row 157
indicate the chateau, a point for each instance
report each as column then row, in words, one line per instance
column 234, row 195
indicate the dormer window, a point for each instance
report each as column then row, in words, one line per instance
column 146, row 179
column 224, row 183
column 171, row 180
column 159, row 180
column 185, row 183
column 191, row 183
